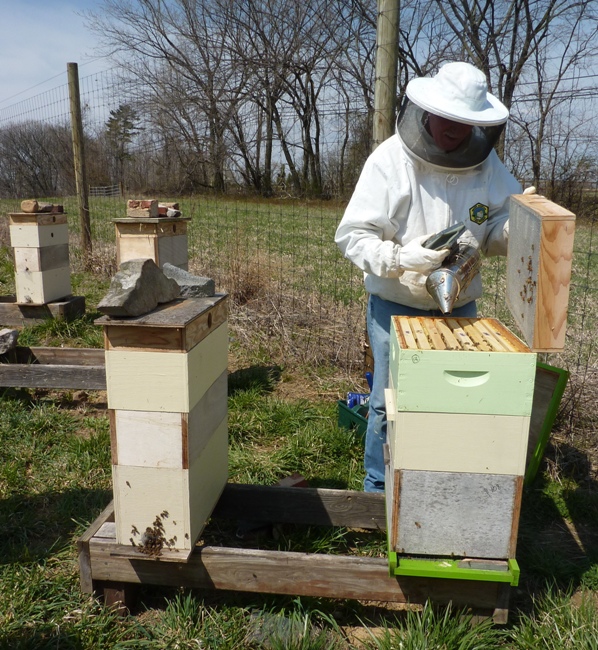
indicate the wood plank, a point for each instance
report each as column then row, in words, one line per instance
column 13, row 314
column 460, row 334
column 308, row 506
column 481, row 344
column 85, row 575
column 59, row 356
column 433, row 333
column 53, row 377
column 173, row 250
column 486, row 332
column 282, row 572
column 420, row 335
column 450, row 340
column 120, row 337
column 406, row 336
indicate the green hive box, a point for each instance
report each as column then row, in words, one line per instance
column 459, row 405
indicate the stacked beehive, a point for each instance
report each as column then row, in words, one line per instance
column 40, row 241
column 166, row 376
column 458, row 407
column 152, row 230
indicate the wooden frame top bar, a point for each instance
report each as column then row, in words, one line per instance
column 462, row 334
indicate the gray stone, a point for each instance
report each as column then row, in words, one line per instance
column 192, row 286
column 8, row 340
column 138, row 287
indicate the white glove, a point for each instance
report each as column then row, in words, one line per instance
column 414, row 257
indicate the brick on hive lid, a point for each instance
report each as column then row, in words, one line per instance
column 142, row 208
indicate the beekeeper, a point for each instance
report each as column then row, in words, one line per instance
column 438, row 170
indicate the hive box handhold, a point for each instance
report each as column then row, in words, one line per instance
column 138, row 287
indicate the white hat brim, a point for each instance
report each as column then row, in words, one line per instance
column 423, row 91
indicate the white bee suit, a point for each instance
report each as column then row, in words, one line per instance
column 400, row 197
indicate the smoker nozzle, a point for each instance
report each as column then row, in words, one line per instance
column 454, row 276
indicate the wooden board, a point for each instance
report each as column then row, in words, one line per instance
column 13, row 314
column 173, row 250
column 465, row 515
column 539, row 264
column 102, row 562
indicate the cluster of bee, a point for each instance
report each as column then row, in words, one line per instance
column 153, row 540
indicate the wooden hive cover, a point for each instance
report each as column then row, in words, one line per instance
column 539, row 263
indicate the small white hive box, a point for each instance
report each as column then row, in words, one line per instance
column 150, row 235
column 458, row 408
column 166, row 377
column 40, row 242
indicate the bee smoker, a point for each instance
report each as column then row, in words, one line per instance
column 454, row 276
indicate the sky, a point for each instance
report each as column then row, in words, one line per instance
column 38, row 39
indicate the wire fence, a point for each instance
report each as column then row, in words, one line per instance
column 294, row 299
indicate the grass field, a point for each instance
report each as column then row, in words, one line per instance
column 296, row 320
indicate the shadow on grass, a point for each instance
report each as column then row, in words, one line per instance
column 37, row 526
column 262, row 378
column 558, row 532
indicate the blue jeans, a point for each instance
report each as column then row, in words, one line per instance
column 378, row 323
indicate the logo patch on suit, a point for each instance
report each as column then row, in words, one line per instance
column 478, row 213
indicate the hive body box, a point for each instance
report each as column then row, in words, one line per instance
column 166, row 378
column 41, row 250
column 458, row 408
column 539, row 262
column 163, row 240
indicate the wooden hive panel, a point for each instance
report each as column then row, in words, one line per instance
column 181, row 500
column 539, row 264
column 34, row 235
column 459, row 442
column 41, row 287
column 460, row 366
column 167, row 439
column 171, row 381
column 453, row 514
column 173, row 250
column 47, row 258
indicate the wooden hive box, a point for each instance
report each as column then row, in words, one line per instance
column 166, row 380
column 40, row 243
column 458, row 408
column 163, row 240
column 539, row 263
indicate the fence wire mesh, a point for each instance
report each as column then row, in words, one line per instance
column 294, row 299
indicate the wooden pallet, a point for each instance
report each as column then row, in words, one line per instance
column 14, row 314
column 113, row 570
